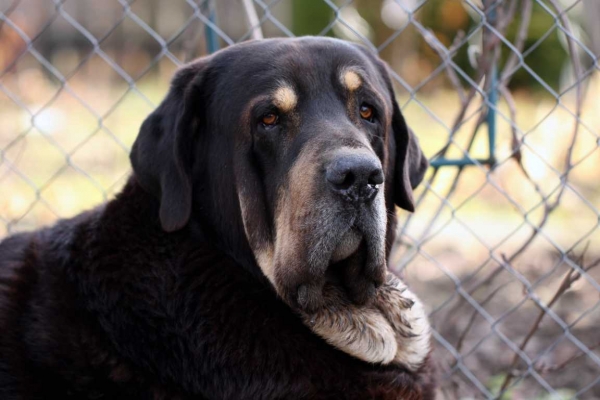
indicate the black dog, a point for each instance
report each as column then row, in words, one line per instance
column 266, row 177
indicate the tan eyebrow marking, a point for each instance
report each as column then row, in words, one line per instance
column 285, row 98
column 351, row 79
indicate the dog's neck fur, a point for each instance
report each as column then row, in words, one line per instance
column 200, row 232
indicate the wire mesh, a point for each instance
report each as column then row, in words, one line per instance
column 503, row 246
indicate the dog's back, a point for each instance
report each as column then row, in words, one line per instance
column 17, row 276
column 41, row 345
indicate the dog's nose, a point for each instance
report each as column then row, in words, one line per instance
column 355, row 176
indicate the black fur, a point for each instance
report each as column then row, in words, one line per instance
column 156, row 295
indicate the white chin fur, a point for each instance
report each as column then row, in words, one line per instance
column 393, row 329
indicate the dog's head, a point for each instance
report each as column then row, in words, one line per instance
column 289, row 152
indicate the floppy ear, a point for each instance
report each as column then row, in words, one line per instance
column 162, row 155
column 411, row 163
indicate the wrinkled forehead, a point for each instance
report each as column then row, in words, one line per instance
column 288, row 69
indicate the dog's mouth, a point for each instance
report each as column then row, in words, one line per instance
column 337, row 272
column 347, row 245
column 347, row 262
column 343, row 251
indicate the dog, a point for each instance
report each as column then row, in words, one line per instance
column 245, row 258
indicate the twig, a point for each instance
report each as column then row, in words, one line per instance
column 491, row 47
column 474, row 315
column 444, row 54
column 549, row 207
column 575, row 356
column 455, row 182
column 515, row 141
column 570, row 277
column 526, row 11
column 9, row 11
column 252, row 18
column 578, row 74
column 458, row 120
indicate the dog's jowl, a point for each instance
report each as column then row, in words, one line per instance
column 246, row 257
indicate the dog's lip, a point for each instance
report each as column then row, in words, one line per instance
column 347, row 244
column 336, row 270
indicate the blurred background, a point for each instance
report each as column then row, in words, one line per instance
column 503, row 94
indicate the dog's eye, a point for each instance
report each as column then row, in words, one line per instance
column 270, row 119
column 366, row 112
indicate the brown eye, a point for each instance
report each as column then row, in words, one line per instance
column 270, row 119
column 366, row 112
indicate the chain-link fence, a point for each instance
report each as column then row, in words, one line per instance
column 504, row 244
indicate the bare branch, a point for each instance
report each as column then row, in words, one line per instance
column 445, row 55
column 526, row 11
column 570, row 277
column 475, row 313
column 516, row 142
column 562, row 365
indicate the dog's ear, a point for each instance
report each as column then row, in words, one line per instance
column 162, row 155
column 411, row 163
